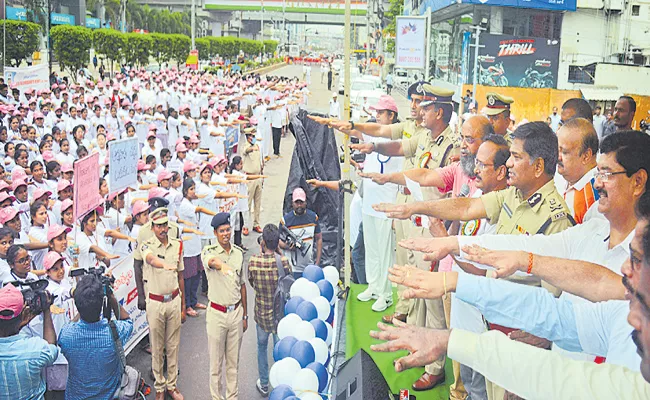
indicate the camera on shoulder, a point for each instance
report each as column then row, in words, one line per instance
column 34, row 294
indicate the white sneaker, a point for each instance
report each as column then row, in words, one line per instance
column 366, row 295
column 382, row 303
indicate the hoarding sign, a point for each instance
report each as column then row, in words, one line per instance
column 516, row 61
column 410, row 42
column 35, row 77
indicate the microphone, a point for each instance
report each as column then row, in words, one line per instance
column 464, row 192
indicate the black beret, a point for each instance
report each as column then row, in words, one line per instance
column 220, row 219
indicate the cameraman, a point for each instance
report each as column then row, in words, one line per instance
column 22, row 359
column 95, row 371
column 303, row 223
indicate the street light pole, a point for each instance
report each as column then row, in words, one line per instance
column 193, row 24
column 346, row 139
column 476, row 45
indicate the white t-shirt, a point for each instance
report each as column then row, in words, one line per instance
column 374, row 193
column 40, row 234
column 210, row 203
column 87, row 259
column 187, row 212
column 116, row 220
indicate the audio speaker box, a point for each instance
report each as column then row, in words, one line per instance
column 359, row 378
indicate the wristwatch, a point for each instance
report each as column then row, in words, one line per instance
column 245, row 318
column 351, row 124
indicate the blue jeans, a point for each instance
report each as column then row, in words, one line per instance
column 297, row 275
column 191, row 287
column 263, row 355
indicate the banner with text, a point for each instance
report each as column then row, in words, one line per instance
column 86, row 185
column 517, row 61
column 410, row 42
column 35, row 77
column 126, row 294
column 123, row 160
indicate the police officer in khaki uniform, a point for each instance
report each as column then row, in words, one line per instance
column 253, row 165
column 164, row 286
column 498, row 111
column 428, row 151
column 531, row 205
column 227, row 317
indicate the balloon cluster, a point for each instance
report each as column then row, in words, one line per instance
column 302, row 353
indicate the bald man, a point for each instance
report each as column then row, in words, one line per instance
column 576, row 167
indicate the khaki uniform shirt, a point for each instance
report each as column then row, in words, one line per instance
column 545, row 212
column 430, row 153
column 224, row 287
column 158, row 280
column 407, row 130
column 253, row 160
column 146, row 233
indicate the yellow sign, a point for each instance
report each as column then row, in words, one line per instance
column 192, row 61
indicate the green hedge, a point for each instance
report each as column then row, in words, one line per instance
column 71, row 45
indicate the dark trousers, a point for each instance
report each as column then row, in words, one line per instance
column 238, row 229
column 277, row 136
column 329, row 84
column 191, row 287
column 359, row 258
column 204, row 282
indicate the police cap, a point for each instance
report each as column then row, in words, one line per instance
column 497, row 103
column 158, row 202
column 220, row 219
column 417, row 88
column 436, row 95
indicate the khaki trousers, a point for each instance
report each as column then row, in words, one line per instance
column 165, row 337
column 457, row 389
column 255, row 195
column 427, row 313
column 224, row 341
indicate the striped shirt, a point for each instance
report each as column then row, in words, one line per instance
column 22, row 360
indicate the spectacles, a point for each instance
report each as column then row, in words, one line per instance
column 468, row 139
column 481, row 165
column 24, row 260
column 604, row 175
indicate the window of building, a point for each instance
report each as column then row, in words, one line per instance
column 582, row 74
column 636, row 11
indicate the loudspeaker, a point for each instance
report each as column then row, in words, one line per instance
column 360, row 379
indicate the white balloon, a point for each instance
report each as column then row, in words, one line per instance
column 287, row 325
column 309, row 396
column 304, row 288
column 322, row 306
column 332, row 275
column 303, row 330
column 321, row 350
column 285, row 371
column 305, row 381
column 330, row 334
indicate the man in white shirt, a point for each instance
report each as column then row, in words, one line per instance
column 599, row 122
column 335, row 107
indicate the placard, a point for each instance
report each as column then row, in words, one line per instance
column 35, row 77
column 126, row 294
column 86, row 185
column 123, row 164
column 410, row 42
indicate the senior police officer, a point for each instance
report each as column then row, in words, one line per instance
column 498, row 111
column 227, row 317
column 410, row 128
column 430, row 151
column 253, row 165
column 164, row 285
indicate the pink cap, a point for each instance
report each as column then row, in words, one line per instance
column 181, row 148
column 163, row 175
column 67, row 167
column 194, row 139
column 157, row 192
column 137, row 106
column 38, row 115
column 143, row 166
column 113, row 195
column 11, row 302
column 385, row 102
column 126, row 102
column 50, row 259
column 253, row 121
column 299, row 194
column 63, row 184
column 55, row 231
column 17, row 183
column 188, row 166
column 153, row 127
column 151, row 134
column 65, row 204
column 4, row 186
column 139, row 207
column 38, row 193
column 18, row 173
column 7, row 213
column 48, row 156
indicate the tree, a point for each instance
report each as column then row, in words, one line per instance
column 109, row 43
column 71, row 46
column 180, row 48
column 23, row 38
column 137, row 49
column 396, row 7
column 270, row 46
column 162, row 48
column 203, row 46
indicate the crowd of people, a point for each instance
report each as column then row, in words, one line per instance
column 519, row 251
column 204, row 141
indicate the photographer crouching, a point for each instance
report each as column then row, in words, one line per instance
column 22, row 358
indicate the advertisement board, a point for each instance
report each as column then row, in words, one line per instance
column 410, row 42
column 557, row 5
column 516, row 61
column 23, row 78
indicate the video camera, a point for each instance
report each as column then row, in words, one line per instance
column 34, row 294
column 292, row 240
column 107, row 281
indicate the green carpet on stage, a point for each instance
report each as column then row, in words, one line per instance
column 359, row 320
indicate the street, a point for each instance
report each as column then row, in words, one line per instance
column 193, row 358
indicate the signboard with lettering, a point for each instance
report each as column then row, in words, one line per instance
column 93, row 23
column 517, row 61
column 86, row 185
column 410, row 42
column 16, row 13
column 559, row 5
column 61, row 19
column 123, row 163
column 126, row 294
column 23, row 78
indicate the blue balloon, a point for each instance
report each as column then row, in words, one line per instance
column 282, row 392
column 292, row 398
column 320, row 328
column 330, row 319
column 326, row 289
column 321, row 373
column 282, row 349
column 313, row 273
column 307, row 311
column 303, row 352
column 291, row 305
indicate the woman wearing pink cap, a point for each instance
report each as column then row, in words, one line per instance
column 152, row 146
column 91, row 249
column 65, row 156
column 38, row 230
column 116, row 218
column 140, row 214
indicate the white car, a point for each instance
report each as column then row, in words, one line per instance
column 367, row 97
column 336, row 66
column 354, row 74
column 362, row 84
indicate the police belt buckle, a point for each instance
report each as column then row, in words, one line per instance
column 231, row 308
column 167, row 298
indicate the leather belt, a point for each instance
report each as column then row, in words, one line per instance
column 404, row 190
column 165, row 298
column 496, row 327
column 225, row 309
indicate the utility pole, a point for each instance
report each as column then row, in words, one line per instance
column 262, row 27
column 477, row 35
column 346, row 139
column 123, row 15
column 193, row 24
column 47, row 35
